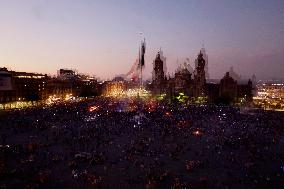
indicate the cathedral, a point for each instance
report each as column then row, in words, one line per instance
column 194, row 85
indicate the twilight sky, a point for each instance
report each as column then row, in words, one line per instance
column 102, row 37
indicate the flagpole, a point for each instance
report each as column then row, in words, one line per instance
column 141, row 74
column 142, row 63
column 139, row 65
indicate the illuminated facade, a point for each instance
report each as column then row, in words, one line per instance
column 59, row 87
column 123, row 89
column 270, row 96
column 113, row 88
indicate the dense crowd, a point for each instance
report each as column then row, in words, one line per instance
column 106, row 143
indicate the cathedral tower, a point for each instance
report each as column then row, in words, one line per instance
column 158, row 74
column 199, row 76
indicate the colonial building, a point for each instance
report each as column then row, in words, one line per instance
column 7, row 93
column 30, row 86
column 24, row 86
column 182, row 80
column 228, row 89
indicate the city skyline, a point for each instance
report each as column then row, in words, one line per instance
column 102, row 39
column 141, row 94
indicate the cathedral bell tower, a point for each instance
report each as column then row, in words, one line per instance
column 158, row 75
column 199, row 77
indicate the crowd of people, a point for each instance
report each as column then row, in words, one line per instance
column 108, row 143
